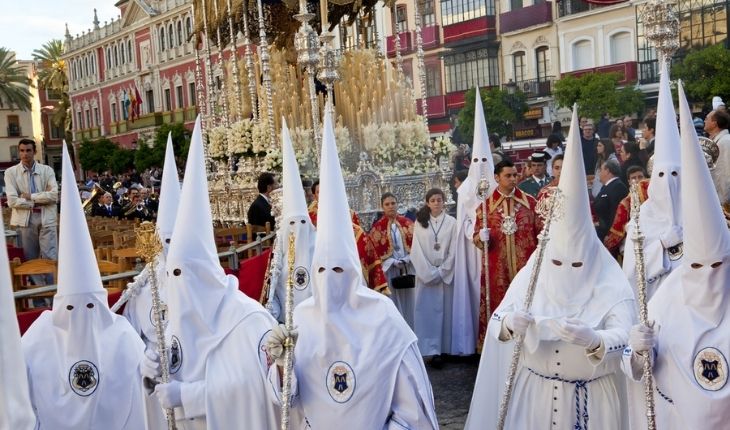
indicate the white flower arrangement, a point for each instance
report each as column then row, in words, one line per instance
column 260, row 138
column 240, row 137
column 217, row 142
column 401, row 148
column 442, row 147
column 273, row 160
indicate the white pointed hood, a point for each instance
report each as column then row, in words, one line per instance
column 663, row 208
column 707, row 239
column 169, row 196
column 482, row 163
column 295, row 220
column 82, row 336
column 579, row 277
column 16, row 411
column 345, row 328
column 204, row 304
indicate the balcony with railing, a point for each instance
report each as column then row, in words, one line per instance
column 88, row 133
column 627, row 71
column 540, row 13
column 533, row 88
column 436, row 106
column 430, row 36
column 154, row 119
column 406, row 43
column 572, row 7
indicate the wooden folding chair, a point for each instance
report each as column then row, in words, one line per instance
column 20, row 272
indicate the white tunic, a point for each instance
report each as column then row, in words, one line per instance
column 467, row 272
column 434, row 283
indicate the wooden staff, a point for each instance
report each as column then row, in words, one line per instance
column 550, row 209
column 638, row 238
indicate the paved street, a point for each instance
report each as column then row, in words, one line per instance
column 452, row 388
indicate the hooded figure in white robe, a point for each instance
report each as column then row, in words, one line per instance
column 661, row 215
column 214, row 332
column 16, row 411
column 356, row 362
column 568, row 374
column 295, row 220
column 432, row 255
column 82, row 359
column 469, row 261
column 689, row 342
column 138, row 308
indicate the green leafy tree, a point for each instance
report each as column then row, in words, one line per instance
column 500, row 109
column 52, row 76
column 704, row 73
column 121, row 160
column 148, row 156
column 94, row 155
column 597, row 93
column 14, row 82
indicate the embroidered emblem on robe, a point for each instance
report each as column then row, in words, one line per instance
column 341, row 381
column 710, row 369
column 83, row 378
column 176, row 355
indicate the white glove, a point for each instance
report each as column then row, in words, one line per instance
column 149, row 368
column 484, row 235
column 170, row 394
column 276, row 340
column 575, row 331
column 641, row 338
column 671, row 238
column 518, row 321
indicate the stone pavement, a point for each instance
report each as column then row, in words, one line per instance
column 452, row 388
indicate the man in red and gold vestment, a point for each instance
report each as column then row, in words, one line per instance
column 511, row 234
column 617, row 233
column 371, row 265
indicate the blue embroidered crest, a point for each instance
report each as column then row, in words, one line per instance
column 341, row 382
column 710, row 369
column 83, row 378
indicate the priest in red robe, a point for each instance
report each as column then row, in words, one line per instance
column 617, row 233
column 511, row 233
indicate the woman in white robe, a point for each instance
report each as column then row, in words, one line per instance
column 432, row 255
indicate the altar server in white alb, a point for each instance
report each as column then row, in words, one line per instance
column 661, row 214
column 357, row 363
column 214, row 332
column 16, row 411
column 577, row 327
column 295, row 220
column 432, row 255
column 689, row 342
column 468, row 261
column 138, row 309
column 82, row 359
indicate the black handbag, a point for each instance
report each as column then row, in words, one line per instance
column 403, row 282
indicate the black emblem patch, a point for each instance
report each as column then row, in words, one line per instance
column 83, row 377
column 341, row 382
column 710, row 369
column 176, row 355
column 301, row 278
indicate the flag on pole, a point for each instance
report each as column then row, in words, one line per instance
column 131, row 105
column 125, row 105
column 138, row 103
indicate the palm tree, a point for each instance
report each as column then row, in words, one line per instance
column 52, row 76
column 13, row 81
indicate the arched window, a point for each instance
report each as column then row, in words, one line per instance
column 179, row 33
column 108, row 58
column 188, row 27
column 543, row 62
column 93, row 64
column 121, row 54
column 170, row 37
column 620, row 47
column 162, row 38
column 129, row 51
column 582, row 54
column 520, row 68
column 116, row 56
column 86, row 66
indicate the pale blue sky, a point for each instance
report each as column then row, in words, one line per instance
column 27, row 24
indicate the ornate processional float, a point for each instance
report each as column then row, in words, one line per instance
column 260, row 62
